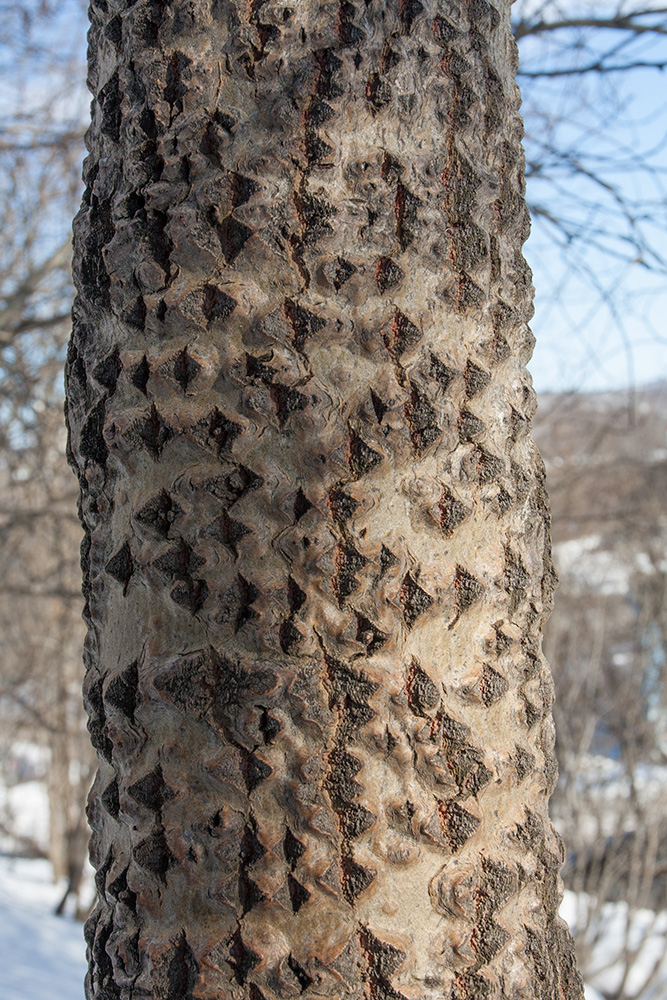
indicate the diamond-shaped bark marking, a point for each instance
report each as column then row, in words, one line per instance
column 121, row 691
column 268, row 727
column 250, row 894
column 135, row 315
column 185, row 369
column 304, row 324
column 97, row 727
column 389, row 58
column 298, row 893
column 402, row 335
column 476, row 777
column 286, row 401
column 154, row 432
column 300, row 974
column 534, row 712
column 489, row 467
column 348, row 685
column 159, row 513
column 152, row 791
column 254, row 769
column 348, row 562
column 469, row 984
column 220, row 431
column 408, row 11
column 179, row 562
column 405, row 210
column 259, row 367
column 216, row 304
column 421, row 418
column 441, row 373
column 348, row 32
column 443, row 31
column 328, row 79
column 293, row 849
column 355, row 879
column 301, row 505
column 181, row 971
column 314, row 215
column 252, row 849
column 360, row 456
column 415, row 601
column 153, row 855
column 387, row 274
column 499, row 882
column 229, row 532
column 339, row 782
column 368, row 633
column 316, row 148
column 235, row 605
column 242, row 188
column 233, row 236
column 487, row 938
column 524, row 762
column 387, row 560
column 383, row 958
column 470, row 426
column 330, row 880
column 379, row 406
column 530, row 833
column 140, row 374
column 296, row 597
column 492, row 685
column 458, row 824
column 422, row 692
column 377, row 92
column 475, row 379
column 342, row 272
column 241, row 958
column 452, row 512
column 468, row 589
column 233, row 487
column 516, row 579
column 190, row 594
column 341, row 505
column 390, row 168
column 109, row 799
column 121, row 566
column 355, row 820
column 188, row 682
column 108, row 370
column 289, row 636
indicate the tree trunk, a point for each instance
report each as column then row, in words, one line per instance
column 317, row 553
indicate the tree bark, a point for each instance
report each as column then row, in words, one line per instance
column 317, row 552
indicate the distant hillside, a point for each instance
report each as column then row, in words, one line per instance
column 606, row 458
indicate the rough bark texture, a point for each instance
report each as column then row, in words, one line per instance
column 317, row 553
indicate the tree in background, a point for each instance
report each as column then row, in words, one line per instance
column 40, row 143
column 317, row 559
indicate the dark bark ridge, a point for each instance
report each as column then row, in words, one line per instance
column 317, row 557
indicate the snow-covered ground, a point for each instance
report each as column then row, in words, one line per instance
column 627, row 946
column 42, row 957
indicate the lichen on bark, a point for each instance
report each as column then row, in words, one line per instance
column 316, row 562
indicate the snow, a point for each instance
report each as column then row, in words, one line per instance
column 41, row 955
column 624, row 942
column 590, row 567
column 24, row 809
